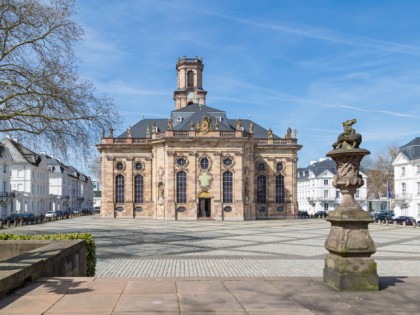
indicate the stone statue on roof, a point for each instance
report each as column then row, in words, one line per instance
column 289, row 133
column 239, row 124
column 169, row 124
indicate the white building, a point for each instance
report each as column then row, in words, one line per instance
column 28, row 179
column 6, row 195
column 407, row 179
column 32, row 182
column 69, row 189
column 316, row 192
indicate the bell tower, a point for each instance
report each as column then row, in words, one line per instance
column 190, row 82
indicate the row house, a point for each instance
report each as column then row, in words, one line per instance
column 407, row 179
column 315, row 190
column 36, row 183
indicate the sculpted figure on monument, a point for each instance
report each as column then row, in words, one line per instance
column 349, row 139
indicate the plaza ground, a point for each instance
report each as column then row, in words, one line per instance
column 251, row 267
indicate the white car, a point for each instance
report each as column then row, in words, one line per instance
column 51, row 214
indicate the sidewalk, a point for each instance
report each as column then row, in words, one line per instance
column 60, row 296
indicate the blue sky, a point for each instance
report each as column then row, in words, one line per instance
column 309, row 65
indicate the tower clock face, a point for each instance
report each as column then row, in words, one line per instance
column 191, row 95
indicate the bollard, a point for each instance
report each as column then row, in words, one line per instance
column 395, row 223
column 414, row 225
column 15, row 223
column 386, row 222
column 379, row 222
column 21, row 222
column 1, row 224
column 8, row 223
column 404, row 224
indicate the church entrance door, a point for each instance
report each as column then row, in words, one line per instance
column 204, row 208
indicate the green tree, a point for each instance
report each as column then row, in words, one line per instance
column 42, row 96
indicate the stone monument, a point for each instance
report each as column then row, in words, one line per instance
column 348, row 266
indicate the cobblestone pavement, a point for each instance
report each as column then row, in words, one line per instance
column 286, row 248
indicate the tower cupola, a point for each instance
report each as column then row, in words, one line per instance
column 190, row 82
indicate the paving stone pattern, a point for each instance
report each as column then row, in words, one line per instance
column 287, row 248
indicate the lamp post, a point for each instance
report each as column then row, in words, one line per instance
column 348, row 266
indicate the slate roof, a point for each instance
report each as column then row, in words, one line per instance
column 412, row 149
column 21, row 154
column 182, row 119
column 317, row 168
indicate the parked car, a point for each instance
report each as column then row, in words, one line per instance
column 87, row 211
column 77, row 211
column 51, row 214
column 66, row 213
column 384, row 216
column 407, row 220
column 321, row 214
column 12, row 217
column 28, row 217
column 303, row 214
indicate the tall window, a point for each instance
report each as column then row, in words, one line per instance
column 261, row 189
column 325, row 206
column 325, row 193
column 190, row 79
column 138, row 189
column 418, row 169
column 279, row 189
column 404, row 188
column 403, row 171
column 181, row 187
column 119, row 189
column 227, row 187
column 418, row 188
column 325, row 182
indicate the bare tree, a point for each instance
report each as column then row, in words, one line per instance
column 382, row 172
column 42, row 96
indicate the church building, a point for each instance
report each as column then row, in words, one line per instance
column 198, row 164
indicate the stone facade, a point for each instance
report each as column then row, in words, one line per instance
column 198, row 164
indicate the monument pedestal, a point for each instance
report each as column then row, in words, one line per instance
column 348, row 266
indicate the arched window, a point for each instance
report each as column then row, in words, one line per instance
column 227, row 187
column 279, row 189
column 138, row 189
column 190, row 79
column 119, row 189
column 181, row 187
column 261, row 189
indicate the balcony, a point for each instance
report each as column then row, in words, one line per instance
column 321, row 199
column 7, row 194
column 399, row 197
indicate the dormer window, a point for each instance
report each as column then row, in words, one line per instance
column 179, row 119
column 219, row 118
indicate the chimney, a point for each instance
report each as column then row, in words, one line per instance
column 312, row 162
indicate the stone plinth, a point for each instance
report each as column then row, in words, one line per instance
column 348, row 266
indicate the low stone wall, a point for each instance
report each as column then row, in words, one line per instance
column 64, row 258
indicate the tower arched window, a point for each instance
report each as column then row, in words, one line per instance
column 190, row 79
column 227, row 187
column 181, row 187
column 138, row 189
column 261, row 189
column 279, row 189
column 119, row 189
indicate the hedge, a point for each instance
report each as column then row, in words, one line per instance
column 90, row 244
